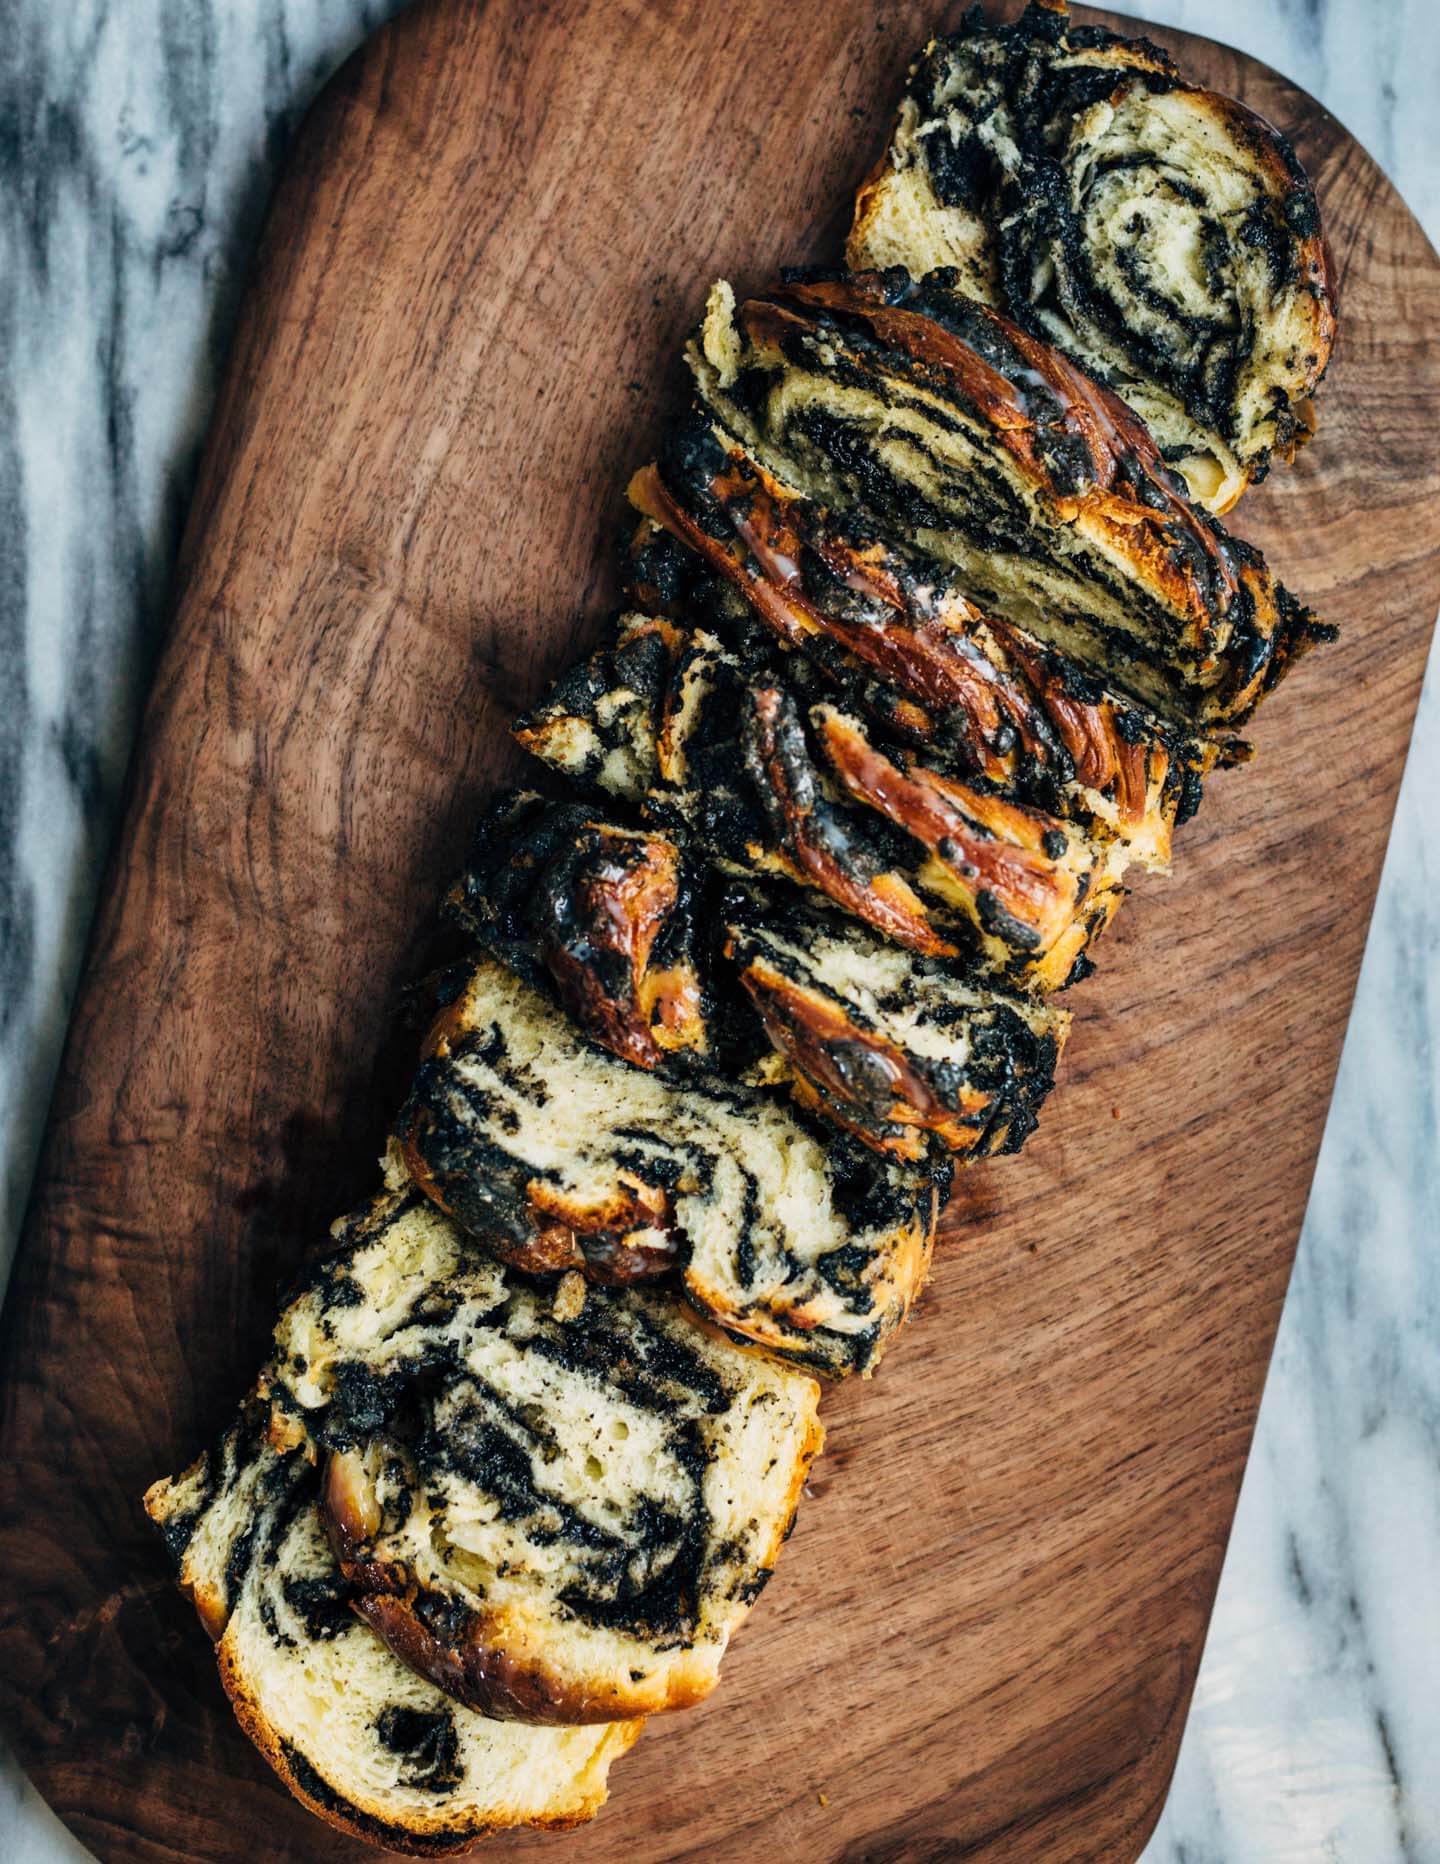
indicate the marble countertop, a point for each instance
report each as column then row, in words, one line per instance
column 142, row 139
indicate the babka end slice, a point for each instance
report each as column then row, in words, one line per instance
column 355, row 1734
column 556, row 1504
column 1162, row 236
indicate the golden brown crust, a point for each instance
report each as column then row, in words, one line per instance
column 912, row 652
column 612, row 1245
column 972, row 875
column 598, row 914
column 920, row 657
column 903, row 397
column 626, row 907
column 885, row 901
column 992, row 854
column 822, row 1043
column 479, row 1668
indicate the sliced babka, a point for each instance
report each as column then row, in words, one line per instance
column 557, row 1156
column 355, row 1734
column 894, row 638
column 1163, row 237
column 767, row 782
column 556, row 1504
column 976, row 443
column 910, row 1055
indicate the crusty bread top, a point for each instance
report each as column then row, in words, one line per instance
column 894, row 637
column 770, row 779
column 917, row 1061
column 600, row 915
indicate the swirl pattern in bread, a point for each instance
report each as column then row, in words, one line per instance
column 910, row 1055
column 353, row 1732
column 896, row 639
column 1162, row 236
column 896, row 1049
column 768, row 778
column 557, row 1506
column 557, row 1156
column 978, row 444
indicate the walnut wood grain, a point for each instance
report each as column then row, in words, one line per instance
column 496, row 226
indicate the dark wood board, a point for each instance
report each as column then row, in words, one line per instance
column 495, row 227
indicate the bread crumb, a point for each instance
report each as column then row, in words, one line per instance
column 718, row 337
column 824, row 1798
column 570, row 1296
column 285, row 1433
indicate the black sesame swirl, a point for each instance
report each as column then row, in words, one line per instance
column 557, row 1156
column 1162, row 236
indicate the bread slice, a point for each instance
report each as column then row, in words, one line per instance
column 977, row 444
column 767, row 783
column 558, row 1506
column 899, row 1050
column 1163, row 237
column 558, row 1156
column 911, row 1056
column 894, row 638
column 354, row 1733
column 600, row 915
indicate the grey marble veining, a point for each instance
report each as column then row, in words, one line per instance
column 139, row 140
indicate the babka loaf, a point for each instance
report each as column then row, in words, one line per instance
column 929, row 636
column 765, row 783
column 895, row 639
column 908, row 1055
column 557, row 1156
column 897, row 1049
column 354, row 1733
column 976, row 443
column 1163, row 237
column 556, row 1505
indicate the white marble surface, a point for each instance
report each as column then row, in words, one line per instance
column 139, row 140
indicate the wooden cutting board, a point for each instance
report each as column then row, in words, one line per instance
column 496, row 226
